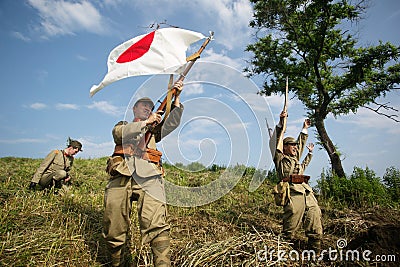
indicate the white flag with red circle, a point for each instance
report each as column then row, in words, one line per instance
column 162, row 51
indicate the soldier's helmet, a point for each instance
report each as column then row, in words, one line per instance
column 289, row 140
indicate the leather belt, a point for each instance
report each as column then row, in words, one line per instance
column 297, row 179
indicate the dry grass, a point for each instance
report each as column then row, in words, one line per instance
column 43, row 229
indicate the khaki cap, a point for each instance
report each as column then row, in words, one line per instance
column 145, row 99
column 75, row 144
column 289, row 140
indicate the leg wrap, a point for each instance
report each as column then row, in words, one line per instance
column 116, row 256
column 160, row 246
column 314, row 244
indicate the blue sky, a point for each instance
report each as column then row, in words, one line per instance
column 54, row 51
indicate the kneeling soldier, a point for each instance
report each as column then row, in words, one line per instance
column 54, row 169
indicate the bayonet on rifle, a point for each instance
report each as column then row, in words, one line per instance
column 280, row 137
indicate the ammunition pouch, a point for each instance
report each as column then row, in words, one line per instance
column 112, row 164
column 123, row 150
column 281, row 193
column 151, row 155
column 296, row 179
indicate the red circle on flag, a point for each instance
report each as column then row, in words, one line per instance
column 137, row 50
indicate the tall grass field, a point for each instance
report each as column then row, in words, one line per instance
column 241, row 228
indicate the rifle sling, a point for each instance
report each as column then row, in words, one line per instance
column 169, row 97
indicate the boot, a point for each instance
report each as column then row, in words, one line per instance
column 161, row 250
column 314, row 244
column 116, row 257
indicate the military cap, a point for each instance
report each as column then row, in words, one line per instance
column 289, row 140
column 75, row 144
column 145, row 99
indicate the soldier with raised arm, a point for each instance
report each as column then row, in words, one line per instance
column 299, row 203
column 136, row 174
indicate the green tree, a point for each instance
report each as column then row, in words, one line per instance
column 307, row 41
column 367, row 189
column 392, row 181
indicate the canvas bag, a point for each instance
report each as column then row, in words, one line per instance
column 281, row 191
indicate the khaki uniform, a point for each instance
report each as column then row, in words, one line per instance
column 302, row 206
column 138, row 180
column 55, row 166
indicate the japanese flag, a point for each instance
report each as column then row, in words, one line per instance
column 162, row 51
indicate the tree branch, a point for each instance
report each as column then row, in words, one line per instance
column 386, row 107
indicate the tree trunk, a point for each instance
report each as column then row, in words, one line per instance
column 334, row 157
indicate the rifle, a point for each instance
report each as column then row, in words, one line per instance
column 172, row 91
column 280, row 137
column 270, row 131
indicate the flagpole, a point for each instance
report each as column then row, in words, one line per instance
column 195, row 56
column 192, row 59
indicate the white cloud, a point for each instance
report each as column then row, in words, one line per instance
column 199, row 126
column 38, row 106
column 221, row 58
column 61, row 106
column 193, row 89
column 81, row 58
column 228, row 19
column 91, row 149
column 276, row 101
column 22, row 141
column 238, row 126
column 63, row 17
column 113, row 3
column 20, row 36
column 107, row 108
column 231, row 20
column 368, row 119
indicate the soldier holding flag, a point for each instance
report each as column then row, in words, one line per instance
column 136, row 175
column 135, row 168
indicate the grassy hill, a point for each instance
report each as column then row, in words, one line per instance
column 43, row 229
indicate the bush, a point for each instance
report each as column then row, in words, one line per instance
column 273, row 176
column 362, row 189
column 216, row 168
column 367, row 189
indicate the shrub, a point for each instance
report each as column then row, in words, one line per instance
column 367, row 189
column 362, row 189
